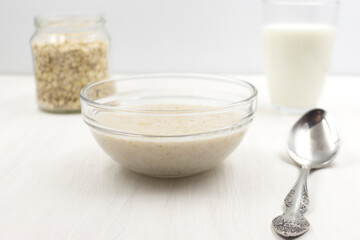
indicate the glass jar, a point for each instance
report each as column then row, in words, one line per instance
column 69, row 52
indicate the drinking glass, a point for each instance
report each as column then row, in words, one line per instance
column 298, row 38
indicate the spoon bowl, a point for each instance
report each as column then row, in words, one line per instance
column 314, row 140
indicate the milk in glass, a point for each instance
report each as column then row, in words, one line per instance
column 297, row 58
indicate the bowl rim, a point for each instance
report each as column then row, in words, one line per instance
column 252, row 96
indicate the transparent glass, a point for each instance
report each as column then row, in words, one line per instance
column 298, row 38
column 69, row 52
column 169, row 125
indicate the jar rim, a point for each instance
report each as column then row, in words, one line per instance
column 68, row 20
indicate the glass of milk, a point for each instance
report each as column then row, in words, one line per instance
column 298, row 39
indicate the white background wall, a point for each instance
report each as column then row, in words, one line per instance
column 171, row 35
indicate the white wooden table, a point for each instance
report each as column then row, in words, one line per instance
column 56, row 183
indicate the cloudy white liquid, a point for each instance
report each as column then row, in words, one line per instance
column 173, row 156
column 297, row 58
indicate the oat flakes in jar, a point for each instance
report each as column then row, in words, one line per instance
column 69, row 52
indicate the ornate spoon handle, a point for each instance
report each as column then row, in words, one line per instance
column 292, row 222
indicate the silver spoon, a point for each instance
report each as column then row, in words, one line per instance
column 313, row 143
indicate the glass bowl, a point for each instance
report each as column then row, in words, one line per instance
column 169, row 125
